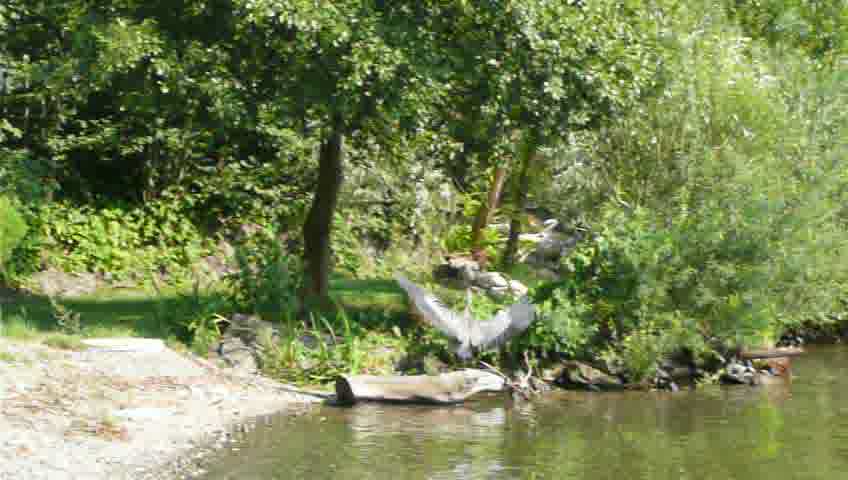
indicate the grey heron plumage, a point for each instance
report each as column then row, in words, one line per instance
column 471, row 334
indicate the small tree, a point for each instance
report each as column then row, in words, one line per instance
column 344, row 70
column 539, row 71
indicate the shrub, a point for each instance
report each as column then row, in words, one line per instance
column 12, row 231
column 268, row 280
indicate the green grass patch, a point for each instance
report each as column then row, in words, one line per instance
column 17, row 327
column 8, row 357
column 62, row 341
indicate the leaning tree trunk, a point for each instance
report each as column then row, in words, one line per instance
column 519, row 200
column 487, row 209
column 318, row 225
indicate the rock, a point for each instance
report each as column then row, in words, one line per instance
column 312, row 342
column 578, row 375
column 241, row 345
column 251, row 328
column 492, row 280
column 739, row 374
column 663, row 380
column 547, row 274
column 515, row 288
column 57, row 283
column 238, row 356
column 459, row 268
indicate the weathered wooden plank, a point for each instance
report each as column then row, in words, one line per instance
column 447, row 388
column 771, row 353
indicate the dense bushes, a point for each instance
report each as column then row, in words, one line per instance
column 12, row 230
column 722, row 219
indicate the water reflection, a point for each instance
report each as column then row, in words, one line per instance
column 783, row 431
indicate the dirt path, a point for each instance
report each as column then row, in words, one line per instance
column 107, row 414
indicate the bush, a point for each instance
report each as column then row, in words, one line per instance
column 722, row 218
column 12, row 231
column 268, row 280
column 116, row 238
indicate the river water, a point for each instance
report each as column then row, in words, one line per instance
column 792, row 431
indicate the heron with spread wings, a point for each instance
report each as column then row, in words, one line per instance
column 471, row 334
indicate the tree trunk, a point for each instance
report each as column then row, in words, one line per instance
column 319, row 221
column 447, row 388
column 487, row 209
column 519, row 200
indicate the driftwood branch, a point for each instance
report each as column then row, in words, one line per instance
column 446, row 388
column 771, row 353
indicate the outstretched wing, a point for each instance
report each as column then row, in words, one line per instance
column 434, row 311
column 503, row 326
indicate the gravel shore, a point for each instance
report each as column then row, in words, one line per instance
column 106, row 414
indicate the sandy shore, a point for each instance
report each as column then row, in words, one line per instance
column 105, row 414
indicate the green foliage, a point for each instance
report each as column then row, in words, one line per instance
column 716, row 206
column 12, row 230
column 192, row 316
column 567, row 325
column 119, row 239
column 336, row 345
column 68, row 321
column 458, row 240
column 268, row 281
column 819, row 29
column 16, row 326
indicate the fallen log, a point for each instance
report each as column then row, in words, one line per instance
column 447, row 388
column 771, row 353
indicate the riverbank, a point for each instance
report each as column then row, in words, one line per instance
column 116, row 413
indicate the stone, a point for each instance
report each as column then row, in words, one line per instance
column 739, row 374
column 250, row 328
column 462, row 269
column 548, row 274
column 312, row 342
column 579, row 375
column 61, row 284
column 492, row 280
column 515, row 288
column 241, row 345
column 238, row 355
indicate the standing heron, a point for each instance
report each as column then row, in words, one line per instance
column 471, row 334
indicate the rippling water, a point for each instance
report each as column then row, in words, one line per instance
column 793, row 431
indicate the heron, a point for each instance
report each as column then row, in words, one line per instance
column 472, row 335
